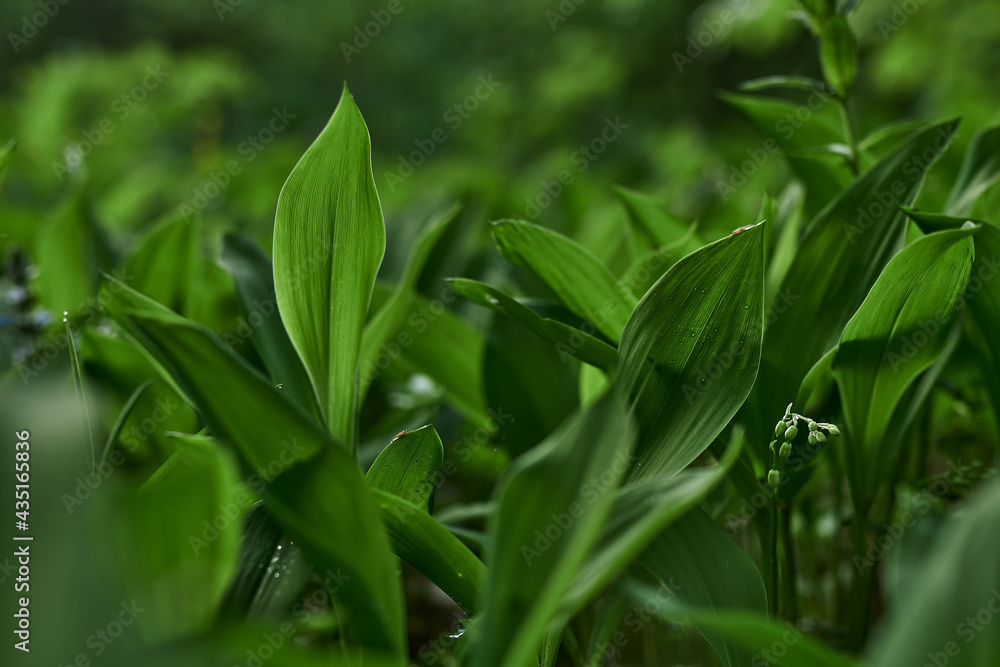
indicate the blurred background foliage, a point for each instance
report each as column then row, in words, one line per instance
column 131, row 115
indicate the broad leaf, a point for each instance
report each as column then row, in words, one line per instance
column 568, row 340
column 690, row 351
column 838, row 54
column 253, row 274
column 388, row 320
column 842, row 253
column 409, row 466
column 574, row 274
column 899, row 331
column 705, row 568
column 329, row 239
column 552, row 502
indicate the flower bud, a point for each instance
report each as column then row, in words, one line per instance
column 772, row 478
column 780, row 428
column 785, row 450
column 833, row 430
column 791, row 432
column 812, row 437
column 820, row 436
column 813, row 425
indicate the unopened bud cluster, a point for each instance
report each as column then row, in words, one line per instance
column 785, row 432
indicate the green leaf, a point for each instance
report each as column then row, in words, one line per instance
column 551, row 504
column 315, row 490
column 958, row 584
column 329, row 239
column 568, row 340
column 765, row 640
column 253, row 275
column 982, row 296
column 661, row 228
column 838, row 54
column 388, row 320
column 641, row 512
column 897, row 333
column 705, row 568
column 980, row 170
column 842, row 253
column 67, row 258
column 409, row 466
column 158, row 545
column 690, row 351
column 6, row 155
column 577, row 277
column 423, row 542
column 803, row 83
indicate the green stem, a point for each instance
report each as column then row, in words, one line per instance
column 790, row 588
column 861, row 583
column 851, row 134
column 772, row 599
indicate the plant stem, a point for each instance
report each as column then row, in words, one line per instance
column 861, row 583
column 772, row 599
column 851, row 134
column 790, row 588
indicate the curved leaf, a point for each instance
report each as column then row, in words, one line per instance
column 690, row 351
column 409, row 466
column 582, row 282
column 329, row 239
column 899, row 331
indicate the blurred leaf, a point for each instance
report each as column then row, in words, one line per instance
column 980, row 170
column 6, row 155
column 959, row 587
column 690, row 351
column 703, row 566
column 173, row 547
column 898, row 332
column 252, row 272
column 765, row 640
column 409, row 466
column 652, row 221
column 838, row 54
column 551, row 504
column 803, row 83
column 325, row 502
column 641, row 512
column 66, row 254
column 842, row 253
column 582, row 282
column 392, row 315
column 329, row 239
column 567, row 340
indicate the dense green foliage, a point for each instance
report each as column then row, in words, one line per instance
column 513, row 411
